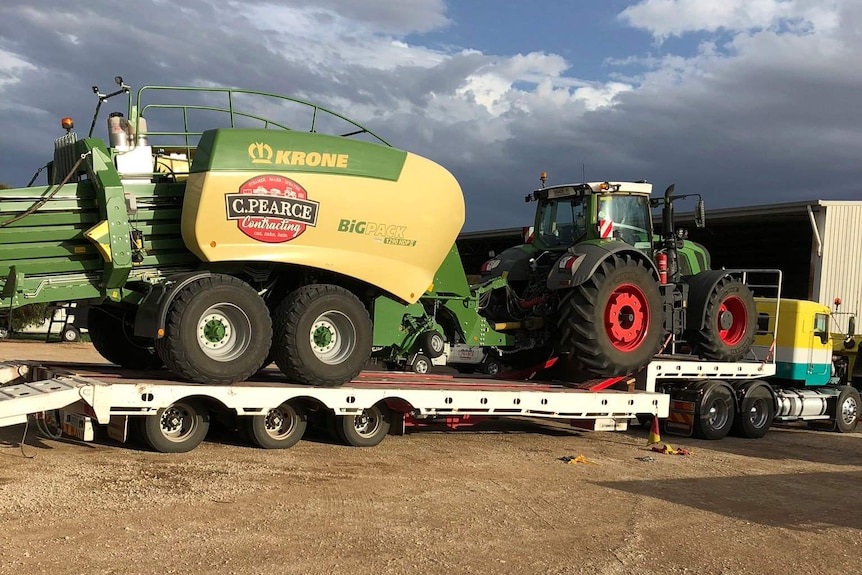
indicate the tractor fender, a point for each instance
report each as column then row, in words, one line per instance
column 153, row 309
column 588, row 258
column 700, row 287
column 743, row 387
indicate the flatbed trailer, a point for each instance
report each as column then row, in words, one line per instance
column 174, row 416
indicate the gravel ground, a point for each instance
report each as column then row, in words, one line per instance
column 496, row 499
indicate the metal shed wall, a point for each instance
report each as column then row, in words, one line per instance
column 838, row 270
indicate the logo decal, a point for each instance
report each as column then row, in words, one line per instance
column 260, row 153
column 271, row 209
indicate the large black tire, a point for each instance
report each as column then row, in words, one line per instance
column 730, row 323
column 366, row 429
column 755, row 415
column 111, row 329
column 175, row 429
column 612, row 324
column 714, row 415
column 846, row 410
column 322, row 335
column 278, row 428
column 218, row 331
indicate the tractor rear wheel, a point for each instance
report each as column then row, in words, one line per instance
column 218, row 331
column 322, row 335
column 611, row 324
column 730, row 323
column 112, row 332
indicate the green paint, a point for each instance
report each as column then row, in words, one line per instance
column 287, row 151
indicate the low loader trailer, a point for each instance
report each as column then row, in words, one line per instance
column 173, row 416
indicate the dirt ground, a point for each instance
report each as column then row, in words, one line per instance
column 496, row 499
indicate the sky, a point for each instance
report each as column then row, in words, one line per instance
column 747, row 102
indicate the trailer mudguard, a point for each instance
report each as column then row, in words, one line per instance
column 588, row 259
column 153, row 309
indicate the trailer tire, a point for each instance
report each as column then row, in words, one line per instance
column 218, row 331
column 756, row 411
column 432, row 343
column 278, row 428
column 70, row 333
column 714, row 416
column 111, row 331
column 846, row 411
column 611, row 324
column 322, row 335
column 367, row 429
column 730, row 323
column 177, row 428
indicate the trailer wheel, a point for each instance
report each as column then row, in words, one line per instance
column 611, row 324
column 111, row 329
column 714, row 417
column 218, row 331
column 175, row 429
column 755, row 415
column 322, row 335
column 421, row 364
column 278, row 428
column 432, row 343
column 730, row 323
column 366, row 429
column 846, row 411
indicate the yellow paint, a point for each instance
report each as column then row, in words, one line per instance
column 795, row 323
column 100, row 235
column 425, row 206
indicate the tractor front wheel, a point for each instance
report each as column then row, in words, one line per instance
column 611, row 324
column 730, row 323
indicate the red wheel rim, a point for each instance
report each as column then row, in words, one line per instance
column 732, row 320
column 627, row 317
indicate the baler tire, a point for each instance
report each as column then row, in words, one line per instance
column 714, row 416
column 432, row 343
column 321, row 335
column 611, row 324
column 277, row 428
column 756, row 411
column 112, row 334
column 217, row 331
column 729, row 299
column 177, row 428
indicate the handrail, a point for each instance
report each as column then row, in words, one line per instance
column 233, row 113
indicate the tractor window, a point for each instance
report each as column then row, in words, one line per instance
column 562, row 222
column 629, row 216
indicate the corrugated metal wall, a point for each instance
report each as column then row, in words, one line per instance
column 838, row 273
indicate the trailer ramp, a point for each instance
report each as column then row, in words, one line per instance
column 20, row 399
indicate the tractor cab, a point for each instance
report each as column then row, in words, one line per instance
column 569, row 214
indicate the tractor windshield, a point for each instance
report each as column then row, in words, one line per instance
column 562, row 222
column 627, row 217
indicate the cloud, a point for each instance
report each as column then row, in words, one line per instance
column 665, row 18
column 762, row 109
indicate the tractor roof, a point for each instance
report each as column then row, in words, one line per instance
column 565, row 190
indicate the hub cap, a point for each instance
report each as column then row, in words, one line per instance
column 177, row 423
column 849, row 410
column 732, row 320
column 332, row 337
column 367, row 423
column 224, row 332
column 627, row 317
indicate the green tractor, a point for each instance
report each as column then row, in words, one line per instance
column 598, row 287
